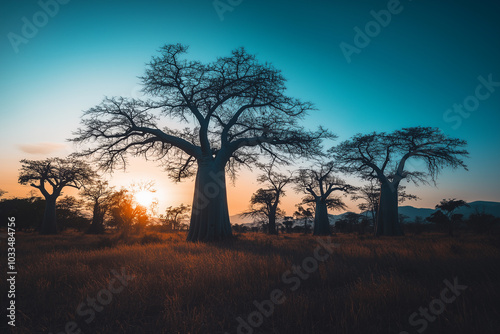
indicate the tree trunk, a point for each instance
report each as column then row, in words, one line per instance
column 49, row 222
column 387, row 217
column 97, row 225
column 209, row 214
column 272, row 222
column 321, row 221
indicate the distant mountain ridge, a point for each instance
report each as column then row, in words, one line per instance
column 492, row 208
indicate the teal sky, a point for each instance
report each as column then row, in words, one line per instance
column 427, row 59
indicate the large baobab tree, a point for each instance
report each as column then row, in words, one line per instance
column 384, row 157
column 319, row 184
column 50, row 176
column 233, row 108
column 369, row 194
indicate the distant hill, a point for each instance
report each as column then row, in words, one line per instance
column 492, row 208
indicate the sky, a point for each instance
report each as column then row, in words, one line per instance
column 366, row 65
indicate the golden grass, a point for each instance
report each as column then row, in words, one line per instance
column 368, row 285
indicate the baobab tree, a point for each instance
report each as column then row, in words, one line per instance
column 319, row 184
column 50, row 176
column 370, row 194
column 233, row 108
column 265, row 201
column 98, row 196
column 384, row 157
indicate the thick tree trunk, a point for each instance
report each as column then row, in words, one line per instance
column 49, row 222
column 387, row 215
column 97, row 225
column 321, row 221
column 209, row 215
column 272, row 222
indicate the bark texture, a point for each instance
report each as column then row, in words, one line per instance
column 387, row 217
column 49, row 222
column 210, row 215
column 321, row 222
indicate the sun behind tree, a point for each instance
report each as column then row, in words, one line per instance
column 145, row 198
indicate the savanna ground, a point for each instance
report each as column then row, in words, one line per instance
column 366, row 285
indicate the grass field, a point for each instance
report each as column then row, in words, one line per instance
column 362, row 284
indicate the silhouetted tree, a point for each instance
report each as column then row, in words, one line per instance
column 449, row 206
column 233, row 106
column 370, row 195
column 127, row 215
column 55, row 173
column 28, row 212
column 173, row 215
column 384, row 156
column 288, row 223
column 264, row 206
column 319, row 184
column 266, row 201
column 70, row 214
column 304, row 214
column 98, row 195
column 2, row 192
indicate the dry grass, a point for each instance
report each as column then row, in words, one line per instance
column 368, row 285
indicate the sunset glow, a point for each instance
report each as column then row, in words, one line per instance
column 145, row 198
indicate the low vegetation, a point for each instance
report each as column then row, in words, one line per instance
column 367, row 285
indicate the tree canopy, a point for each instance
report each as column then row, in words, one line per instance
column 384, row 156
column 230, row 107
column 50, row 176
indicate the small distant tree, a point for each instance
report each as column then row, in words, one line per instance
column 384, row 157
column 127, row 215
column 369, row 195
column 2, row 192
column 264, row 206
column 266, row 201
column 288, row 223
column 174, row 215
column 305, row 214
column 449, row 206
column 319, row 184
column 98, row 196
column 51, row 176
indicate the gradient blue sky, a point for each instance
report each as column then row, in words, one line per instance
column 425, row 60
